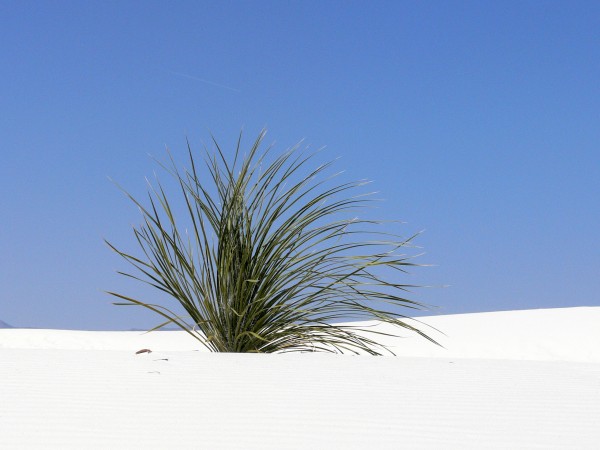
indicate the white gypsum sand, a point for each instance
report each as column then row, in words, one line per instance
column 517, row 379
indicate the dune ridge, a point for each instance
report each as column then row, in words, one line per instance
column 533, row 385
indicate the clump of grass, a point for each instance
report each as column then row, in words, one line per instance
column 272, row 258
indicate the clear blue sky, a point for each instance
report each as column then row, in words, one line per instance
column 477, row 121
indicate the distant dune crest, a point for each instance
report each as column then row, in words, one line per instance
column 5, row 325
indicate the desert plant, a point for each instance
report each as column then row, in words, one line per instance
column 271, row 260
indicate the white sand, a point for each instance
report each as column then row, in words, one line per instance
column 506, row 380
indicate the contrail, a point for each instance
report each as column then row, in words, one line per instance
column 204, row 81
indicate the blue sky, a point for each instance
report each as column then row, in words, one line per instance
column 477, row 121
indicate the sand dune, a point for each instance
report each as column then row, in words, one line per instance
column 518, row 380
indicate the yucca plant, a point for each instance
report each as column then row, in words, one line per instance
column 268, row 256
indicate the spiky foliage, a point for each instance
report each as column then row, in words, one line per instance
column 270, row 262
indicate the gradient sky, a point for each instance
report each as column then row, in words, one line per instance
column 477, row 121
